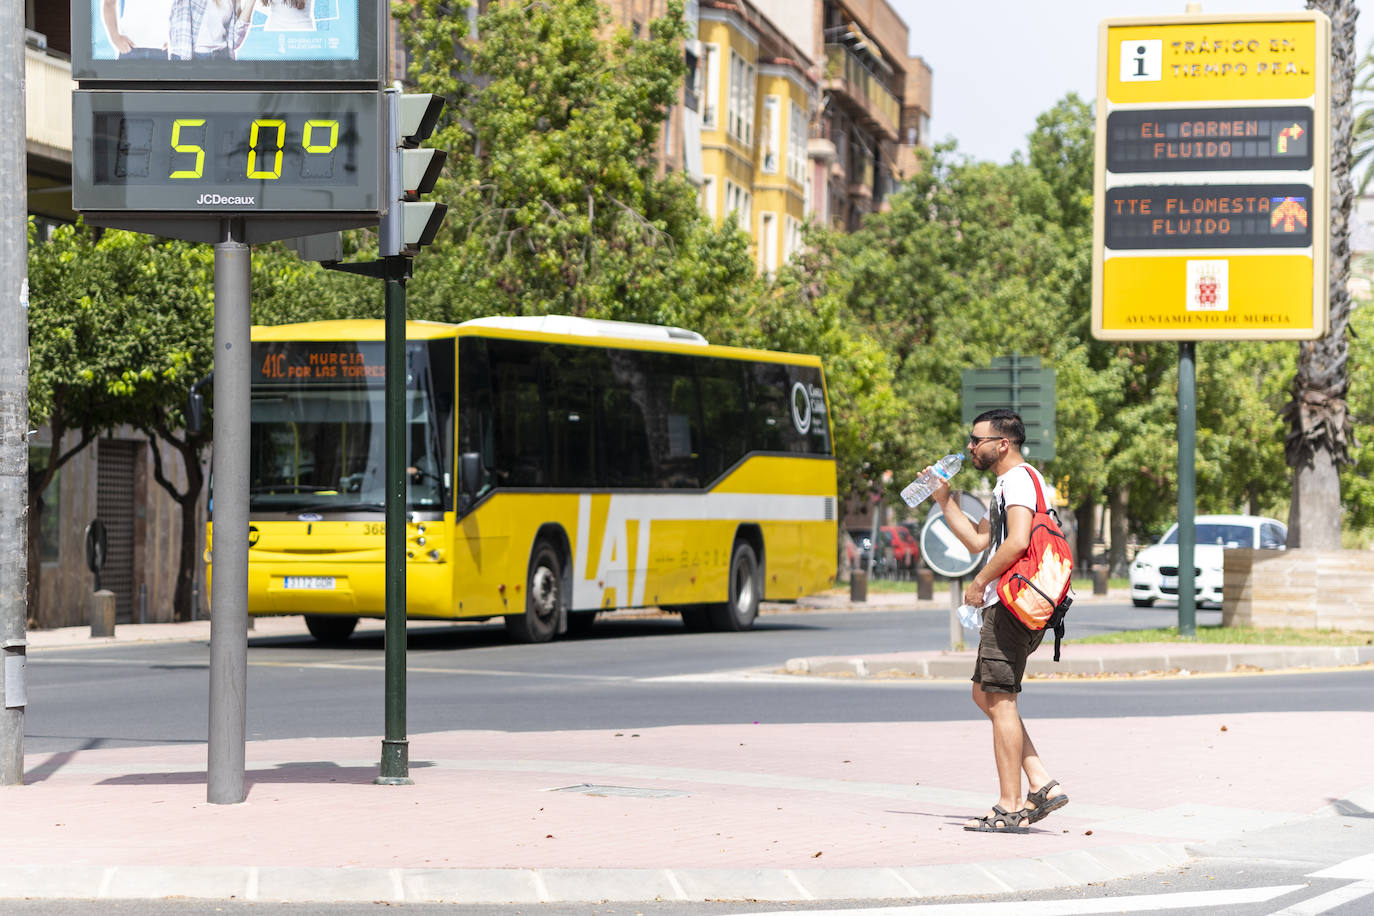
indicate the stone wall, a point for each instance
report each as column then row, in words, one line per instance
column 1303, row 589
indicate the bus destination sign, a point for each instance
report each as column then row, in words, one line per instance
column 319, row 363
column 1209, row 216
column 1209, row 139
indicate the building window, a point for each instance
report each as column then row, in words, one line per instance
column 768, row 243
column 710, row 86
column 740, row 123
column 692, row 92
column 796, row 144
column 738, row 203
column 772, row 133
column 793, row 239
column 708, row 196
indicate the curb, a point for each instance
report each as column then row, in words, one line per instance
column 577, row 885
column 950, row 665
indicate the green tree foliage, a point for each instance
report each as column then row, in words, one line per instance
column 117, row 333
column 556, row 206
column 121, row 326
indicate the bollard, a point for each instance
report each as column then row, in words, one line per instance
column 1100, row 580
column 925, row 584
column 103, row 613
column 858, row 585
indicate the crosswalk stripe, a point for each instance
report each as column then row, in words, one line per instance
column 1325, row 903
column 1073, row 907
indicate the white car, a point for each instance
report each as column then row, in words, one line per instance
column 1154, row 574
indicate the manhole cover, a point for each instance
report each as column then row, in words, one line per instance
column 587, row 788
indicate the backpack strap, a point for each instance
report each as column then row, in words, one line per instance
column 1041, row 507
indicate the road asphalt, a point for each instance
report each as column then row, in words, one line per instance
column 743, row 811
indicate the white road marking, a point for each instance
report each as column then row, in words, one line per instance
column 1325, row 903
column 1360, row 868
column 1070, row 907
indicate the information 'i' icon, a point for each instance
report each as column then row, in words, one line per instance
column 1142, row 60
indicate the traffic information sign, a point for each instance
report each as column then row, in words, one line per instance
column 1209, row 139
column 1212, row 141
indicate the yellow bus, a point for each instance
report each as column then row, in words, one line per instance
column 557, row 467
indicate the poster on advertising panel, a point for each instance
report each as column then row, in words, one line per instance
column 239, row 40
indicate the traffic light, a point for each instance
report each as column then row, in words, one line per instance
column 409, row 222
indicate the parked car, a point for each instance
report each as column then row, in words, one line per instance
column 1154, row 574
column 904, row 547
column 858, row 548
column 861, row 545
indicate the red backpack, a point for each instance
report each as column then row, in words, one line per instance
column 1036, row 587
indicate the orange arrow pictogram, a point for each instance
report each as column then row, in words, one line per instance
column 1290, row 213
column 1292, row 132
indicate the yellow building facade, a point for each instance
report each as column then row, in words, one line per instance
column 756, row 96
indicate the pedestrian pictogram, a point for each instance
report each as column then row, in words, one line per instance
column 1287, row 214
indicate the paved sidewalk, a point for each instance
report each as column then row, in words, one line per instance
column 742, row 811
column 748, row 811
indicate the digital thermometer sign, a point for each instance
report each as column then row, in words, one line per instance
column 216, row 153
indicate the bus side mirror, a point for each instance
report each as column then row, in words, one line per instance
column 470, row 472
column 195, row 412
column 195, row 405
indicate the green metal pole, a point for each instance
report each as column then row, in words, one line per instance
column 395, row 770
column 1187, row 491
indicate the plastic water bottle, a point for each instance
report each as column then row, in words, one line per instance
column 925, row 484
column 971, row 617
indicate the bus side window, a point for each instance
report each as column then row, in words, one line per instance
column 476, row 416
column 672, row 417
column 626, row 461
column 569, row 383
column 770, row 424
column 518, row 431
column 723, row 441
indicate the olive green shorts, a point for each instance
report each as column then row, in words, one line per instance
column 1004, row 644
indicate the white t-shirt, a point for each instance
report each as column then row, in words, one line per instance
column 145, row 22
column 1014, row 488
column 215, row 26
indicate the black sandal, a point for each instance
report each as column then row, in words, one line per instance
column 1002, row 821
column 1043, row 803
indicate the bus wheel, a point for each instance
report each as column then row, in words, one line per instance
column 543, row 598
column 739, row 612
column 329, row 628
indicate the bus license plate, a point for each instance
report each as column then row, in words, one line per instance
column 1168, row 582
column 316, row 582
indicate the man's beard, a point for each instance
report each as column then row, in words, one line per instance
column 979, row 462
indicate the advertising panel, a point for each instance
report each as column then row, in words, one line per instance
column 242, row 40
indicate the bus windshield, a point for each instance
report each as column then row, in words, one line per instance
column 319, row 429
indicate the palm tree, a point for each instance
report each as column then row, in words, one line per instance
column 1319, row 427
column 1362, row 148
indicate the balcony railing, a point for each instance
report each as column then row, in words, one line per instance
column 48, row 101
column 879, row 102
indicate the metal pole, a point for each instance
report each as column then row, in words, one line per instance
column 229, row 589
column 395, row 769
column 14, row 396
column 1187, row 536
column 956, row 628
